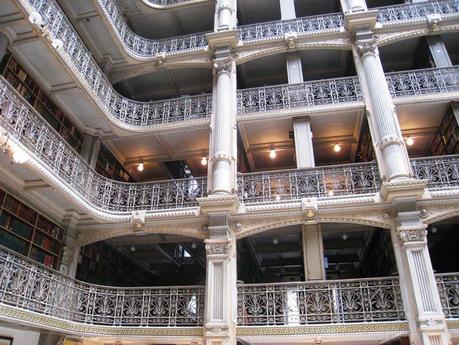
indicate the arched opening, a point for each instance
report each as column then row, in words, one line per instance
column 143, row 260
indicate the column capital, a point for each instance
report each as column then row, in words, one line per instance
column 218, row 247
column 366, row 46
column 224, row 65
column 416, row 235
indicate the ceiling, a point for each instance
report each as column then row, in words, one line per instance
column 277, row 255
column 164, row 256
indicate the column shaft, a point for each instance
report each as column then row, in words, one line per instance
column 313, row 252
column 225, row 15
column 221, row 288
column 438, row 51
column 417, row 281
column 393, row 157
column 350, row 6
column 3, row 46
column 90, row 150
column 222, row 164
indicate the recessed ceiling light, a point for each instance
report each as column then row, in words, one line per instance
column 337, row 147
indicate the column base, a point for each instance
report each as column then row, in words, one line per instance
column 406, row 188
column 219, row 203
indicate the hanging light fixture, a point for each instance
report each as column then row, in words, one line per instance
column 344, row 237
column 140, row 167
column 204, row 160
column 337, row 148
column 272, row 153
column 409, row 141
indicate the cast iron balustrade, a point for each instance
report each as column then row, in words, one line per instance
column 286, row 185
column 344, row 90
column 29, row 286
column 121, row 109
column 308, row 94
column 441, row 172
column 143, row 48
column 415, row 11
column 22, row 122
column 322, row 302
column 291, row 96
column 278, row 28
column 448, row 288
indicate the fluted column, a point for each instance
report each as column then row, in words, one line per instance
column 222, row 164
column 221, row 288
column 391, row 149
column 3, row 45
column 419, row 290
column 225, row 15
column 90, row 149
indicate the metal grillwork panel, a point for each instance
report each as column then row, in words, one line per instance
column 342, row 180
column 448, row 287
column 416, row 11
column 32, row 287
column 145, row 48
column 120, row 108
column 31, row 130
column 273, row 29
column 346, row 301
column 440, row 172
column 290, row 96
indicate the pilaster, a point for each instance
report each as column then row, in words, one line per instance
column 221, row 277
column 313, row 252
column 419, row 290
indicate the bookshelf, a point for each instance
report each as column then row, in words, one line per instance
column 27, row 232
column 13, row 72
column 446, row 139
column 100, row 263
column 107, row 165
column 365, row 151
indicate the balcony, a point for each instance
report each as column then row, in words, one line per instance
column 106, row 198
column 32, row 293
column 314, row 96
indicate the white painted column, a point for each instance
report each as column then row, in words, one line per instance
column 313, row 252
column 439, row 52
column 417, row 281
column 455, row 110
column 392, row 154
column 221, row 283
column 287, row 8
column 351, row 6
column 3, row 45
column 90, row 149
column 225, row 15
column 222, row 163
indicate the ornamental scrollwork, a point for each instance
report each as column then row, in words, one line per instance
column 366, row 47
column 217, row 248
column 224, row 65
column 412, row 235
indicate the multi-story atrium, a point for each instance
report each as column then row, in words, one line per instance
column 226, row 172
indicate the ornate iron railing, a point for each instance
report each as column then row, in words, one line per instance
column 448, row 287
column 143, row 48
column 344, row 90
column 121, row 109
column 324, row 302
column 285, row 185
column 441, row 172
column 273, row 29
column 26, row 126
column 36, row 288
column 424, row 81
column 307, row 94
column 418, row 10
